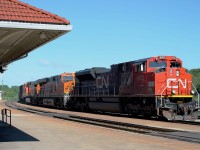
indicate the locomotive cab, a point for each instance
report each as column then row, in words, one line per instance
column 68, row 79
column 162, row 83
column 173, row 88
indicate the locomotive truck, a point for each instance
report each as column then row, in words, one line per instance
column 155, row 86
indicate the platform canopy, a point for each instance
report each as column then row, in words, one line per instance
column 23, row 28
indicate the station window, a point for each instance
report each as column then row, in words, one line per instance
column 175, row 65
column 155, row 64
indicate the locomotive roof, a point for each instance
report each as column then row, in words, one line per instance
column 135, row 61
column 141, row 60
column 91, row 72
column 43, row 80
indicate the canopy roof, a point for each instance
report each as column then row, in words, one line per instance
column 23, row 28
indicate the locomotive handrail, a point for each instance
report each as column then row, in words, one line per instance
column 160, row 89
column 96, row 90
column 162, row 96
column 162, row 92
column 197, row 94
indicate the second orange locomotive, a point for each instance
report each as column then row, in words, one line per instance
column 50, row 91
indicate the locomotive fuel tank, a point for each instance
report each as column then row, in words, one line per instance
column 105, row 104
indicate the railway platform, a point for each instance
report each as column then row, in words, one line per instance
column 32, row 131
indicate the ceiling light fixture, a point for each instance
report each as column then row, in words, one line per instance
column 43, row 35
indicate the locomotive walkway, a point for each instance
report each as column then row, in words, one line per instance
column 31, row 131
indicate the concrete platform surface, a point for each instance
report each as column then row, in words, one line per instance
column 34, row 132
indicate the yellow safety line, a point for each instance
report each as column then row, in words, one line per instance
column 189, row 96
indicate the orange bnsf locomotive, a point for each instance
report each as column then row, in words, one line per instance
column 155, row 86
column 48, row 91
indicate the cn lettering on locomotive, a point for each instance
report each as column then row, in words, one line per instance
column 182, row 83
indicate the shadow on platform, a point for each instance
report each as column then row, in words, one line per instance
column 12, row 134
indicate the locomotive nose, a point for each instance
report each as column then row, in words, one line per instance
column 179, row 81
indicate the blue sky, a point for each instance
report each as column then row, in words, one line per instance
column 107, row 32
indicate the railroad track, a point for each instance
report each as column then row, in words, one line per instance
column 193, row 137
column 187, row 122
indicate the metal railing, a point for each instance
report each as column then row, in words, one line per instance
column 6, row 113
column 93, row 90
column 164, row 87
column 198, row 102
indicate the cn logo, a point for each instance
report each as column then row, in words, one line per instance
column 174, row 80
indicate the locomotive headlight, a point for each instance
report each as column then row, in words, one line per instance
column 192, row 92
column 173, row 92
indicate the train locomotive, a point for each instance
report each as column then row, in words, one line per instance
column 50, row 91
column 155, row 86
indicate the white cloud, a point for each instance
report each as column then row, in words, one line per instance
column 44, row 62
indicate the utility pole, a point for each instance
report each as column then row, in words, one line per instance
column 2, row 82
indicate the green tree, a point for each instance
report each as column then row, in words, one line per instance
column 9, row 93
column 196, row 78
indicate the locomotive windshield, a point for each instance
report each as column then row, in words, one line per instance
column 175, row 65
column 67, row 78
column 156, row 64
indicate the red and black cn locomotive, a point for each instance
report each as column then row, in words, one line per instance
column 155, row 86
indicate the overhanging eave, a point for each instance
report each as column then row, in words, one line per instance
column 19, row 38
column 37, row 26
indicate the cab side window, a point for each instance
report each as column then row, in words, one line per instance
column 141, row 67
column 155, row 64
column 175, row 65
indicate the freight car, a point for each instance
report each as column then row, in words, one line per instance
column 155, row 86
